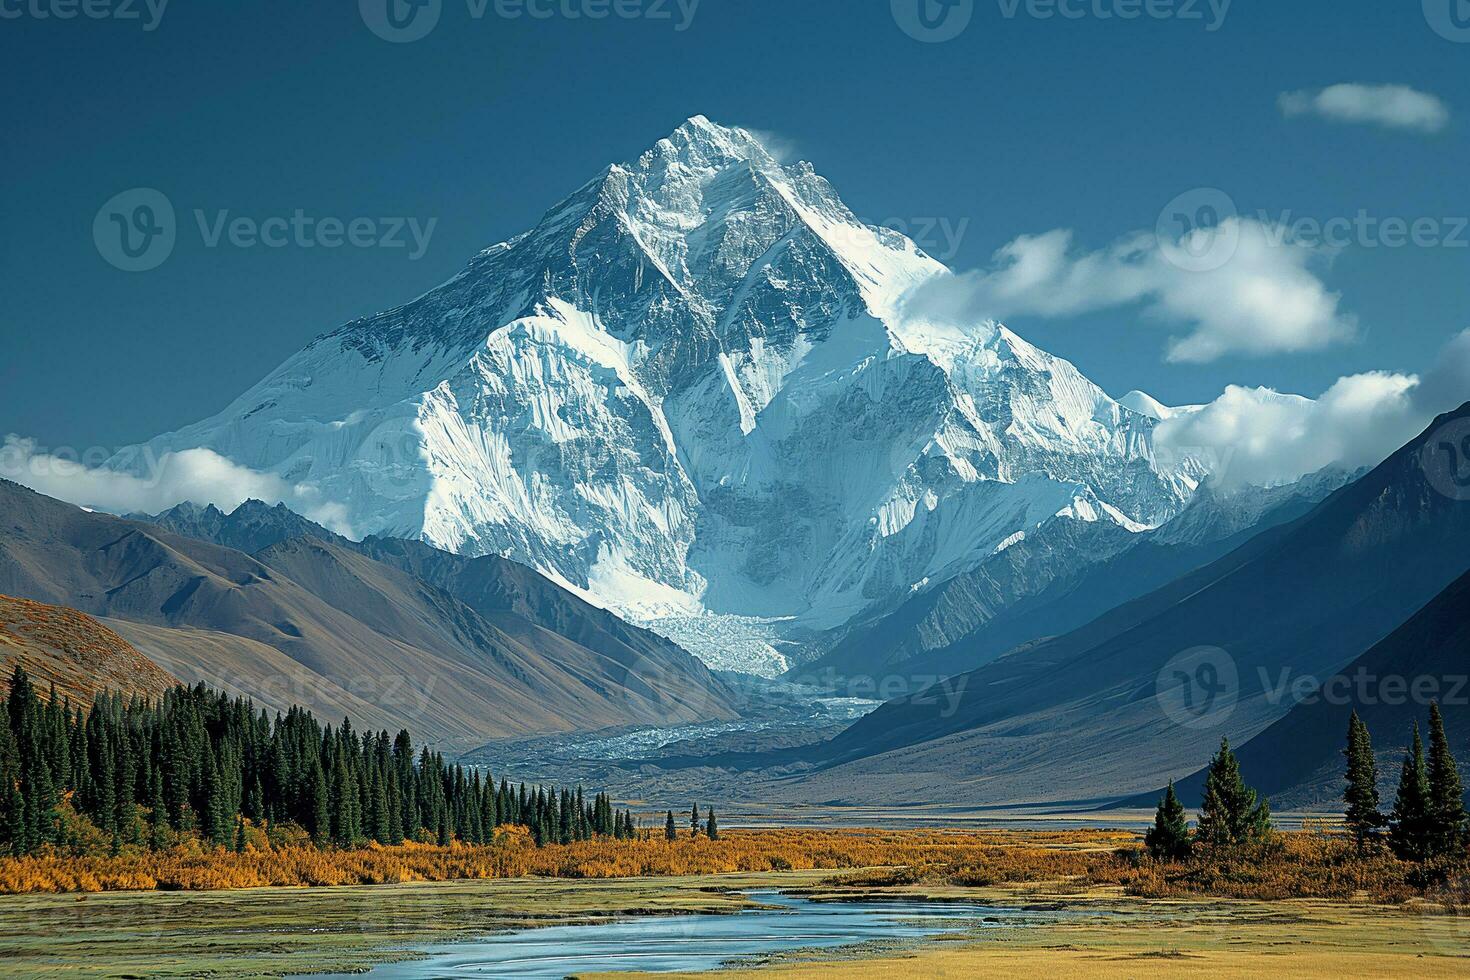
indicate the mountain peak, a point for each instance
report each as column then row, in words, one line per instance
column 624, row 397
column 730, row 142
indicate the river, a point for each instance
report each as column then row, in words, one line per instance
column 668, row 944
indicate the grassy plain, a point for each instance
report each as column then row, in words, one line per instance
column 1231, row 919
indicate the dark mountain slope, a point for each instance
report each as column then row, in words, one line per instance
column 513, row 597
column 1298, row 760
column 348, row 632
column 1077, row 716
column 1059, row 579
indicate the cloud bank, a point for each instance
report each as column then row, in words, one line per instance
column 199, row 475
column 1391, row 106
column 1263, row 438
column 1256, row 293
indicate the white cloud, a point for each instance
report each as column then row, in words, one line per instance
column 1260, row 437
column 1256, row 295
column 200, row 475
column 1394, row 106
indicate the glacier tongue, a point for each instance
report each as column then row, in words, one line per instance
column 691, row 394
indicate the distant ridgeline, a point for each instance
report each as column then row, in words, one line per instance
column 198, row 765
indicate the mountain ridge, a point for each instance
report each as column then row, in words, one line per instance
column 692, row 349
column 312, row 621
column 1049, row 722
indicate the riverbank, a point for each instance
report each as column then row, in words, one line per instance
column 1091, row 933
column 270, row 932
column 1113, row 936
column 1306, row 901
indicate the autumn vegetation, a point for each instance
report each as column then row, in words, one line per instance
column 198, row 791
column 197, row 768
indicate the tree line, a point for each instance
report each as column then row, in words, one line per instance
column 199, row 762
column 710, row 827
column 1428, row 819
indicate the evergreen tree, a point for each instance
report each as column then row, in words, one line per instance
column 1410, row 826
column 1446, row 791
column 157, row 814
column 694, row 821
column 712, row 829
column 199, row 761
column 671, row 832
column 1230, row 814
column 1169, row 839
column 1361, row 814
column 318, row 806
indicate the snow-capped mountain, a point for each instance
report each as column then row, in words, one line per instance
column 691, row 393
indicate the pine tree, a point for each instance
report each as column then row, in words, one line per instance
column 1446, row 791
column 1361, row 814
column 694, row 821
column 1230, row 814
column 212, row 804
column 711, row 828
column 1169, row 839
column 394, row 802
column 671, row 832
column 1410, row 828
column 239, row 835
column 157, row 814
column 318, row 806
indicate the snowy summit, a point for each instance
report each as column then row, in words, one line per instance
column 691, row 394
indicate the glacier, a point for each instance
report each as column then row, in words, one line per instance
column 693, row 395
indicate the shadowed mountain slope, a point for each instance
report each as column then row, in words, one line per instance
column 1298, row 761
column 316, row 622
column 1080, row 716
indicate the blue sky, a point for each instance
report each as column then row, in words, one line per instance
column 1018, row 126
